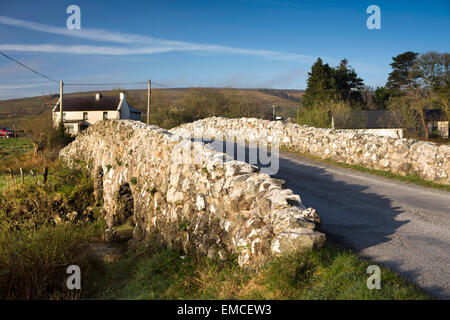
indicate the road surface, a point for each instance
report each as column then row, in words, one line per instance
column 403, row 226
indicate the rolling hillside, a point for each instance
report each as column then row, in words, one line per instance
column 14, row 112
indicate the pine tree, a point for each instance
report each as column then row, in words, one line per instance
column 321, row 85
column 348, row 83
column 400, row 77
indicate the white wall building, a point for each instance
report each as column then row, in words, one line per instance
column 81, row 112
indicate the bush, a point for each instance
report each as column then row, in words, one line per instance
column 47, row 138
column 35, row 248
column 319, row 115
column 33, row 262
column 33, row 203
column 199, row 103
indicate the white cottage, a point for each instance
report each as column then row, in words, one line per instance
column 81, row 112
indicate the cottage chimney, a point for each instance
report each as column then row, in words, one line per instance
column 98, row 96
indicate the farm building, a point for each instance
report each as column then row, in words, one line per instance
column 81, row 112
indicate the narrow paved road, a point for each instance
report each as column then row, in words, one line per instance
column 403, row 226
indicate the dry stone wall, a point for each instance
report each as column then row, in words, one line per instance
column 184, row 194
column 428, row 160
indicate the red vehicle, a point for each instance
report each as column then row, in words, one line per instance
column 7, row 133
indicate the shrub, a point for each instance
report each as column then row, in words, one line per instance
column 33, row 262
column 32, row 203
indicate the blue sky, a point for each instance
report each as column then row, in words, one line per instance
column 245, row 43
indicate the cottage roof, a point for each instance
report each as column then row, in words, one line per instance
column 368, row 119
column 89, row 103
column 435, row 115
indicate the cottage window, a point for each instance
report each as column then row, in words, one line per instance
column 105, row 115
column 85, row 115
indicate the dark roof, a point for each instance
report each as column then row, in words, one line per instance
column 435, row 115
column 106, row 103
column 365, row 119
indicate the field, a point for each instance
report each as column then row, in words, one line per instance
column 40, row 235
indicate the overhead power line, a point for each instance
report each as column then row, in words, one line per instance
column 80, row 84
column 26, row 67
column 159, row 84
column 104, row 84
column 114, row 84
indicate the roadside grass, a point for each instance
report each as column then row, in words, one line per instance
column 413, row 179
column 326, row 273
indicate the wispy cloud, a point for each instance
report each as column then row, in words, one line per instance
column 23, row 86
column 140, row 44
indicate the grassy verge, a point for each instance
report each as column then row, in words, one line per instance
column 326, row 273
column 414, row 179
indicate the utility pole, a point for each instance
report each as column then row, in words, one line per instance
column 61, row 84
column 149, row 100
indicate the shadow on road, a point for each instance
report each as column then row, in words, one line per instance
column 350, row 214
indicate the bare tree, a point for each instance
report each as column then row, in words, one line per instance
column 428, row 76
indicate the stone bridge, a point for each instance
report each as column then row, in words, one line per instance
column 182, row 193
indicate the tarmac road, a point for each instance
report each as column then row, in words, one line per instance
column 403, row 226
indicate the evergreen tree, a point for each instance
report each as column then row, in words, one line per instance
column 321, row 85
column 381, row 97
column 400, row 77
column 348, row 83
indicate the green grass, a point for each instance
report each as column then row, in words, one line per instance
column 327, row 273
column 35, row 250
column 10, row 148
column 414, row 179
column 33, row 261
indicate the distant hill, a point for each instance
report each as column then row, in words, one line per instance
column 14, row 112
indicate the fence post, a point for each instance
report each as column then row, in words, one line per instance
column 45, row 174
column 12, row 178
